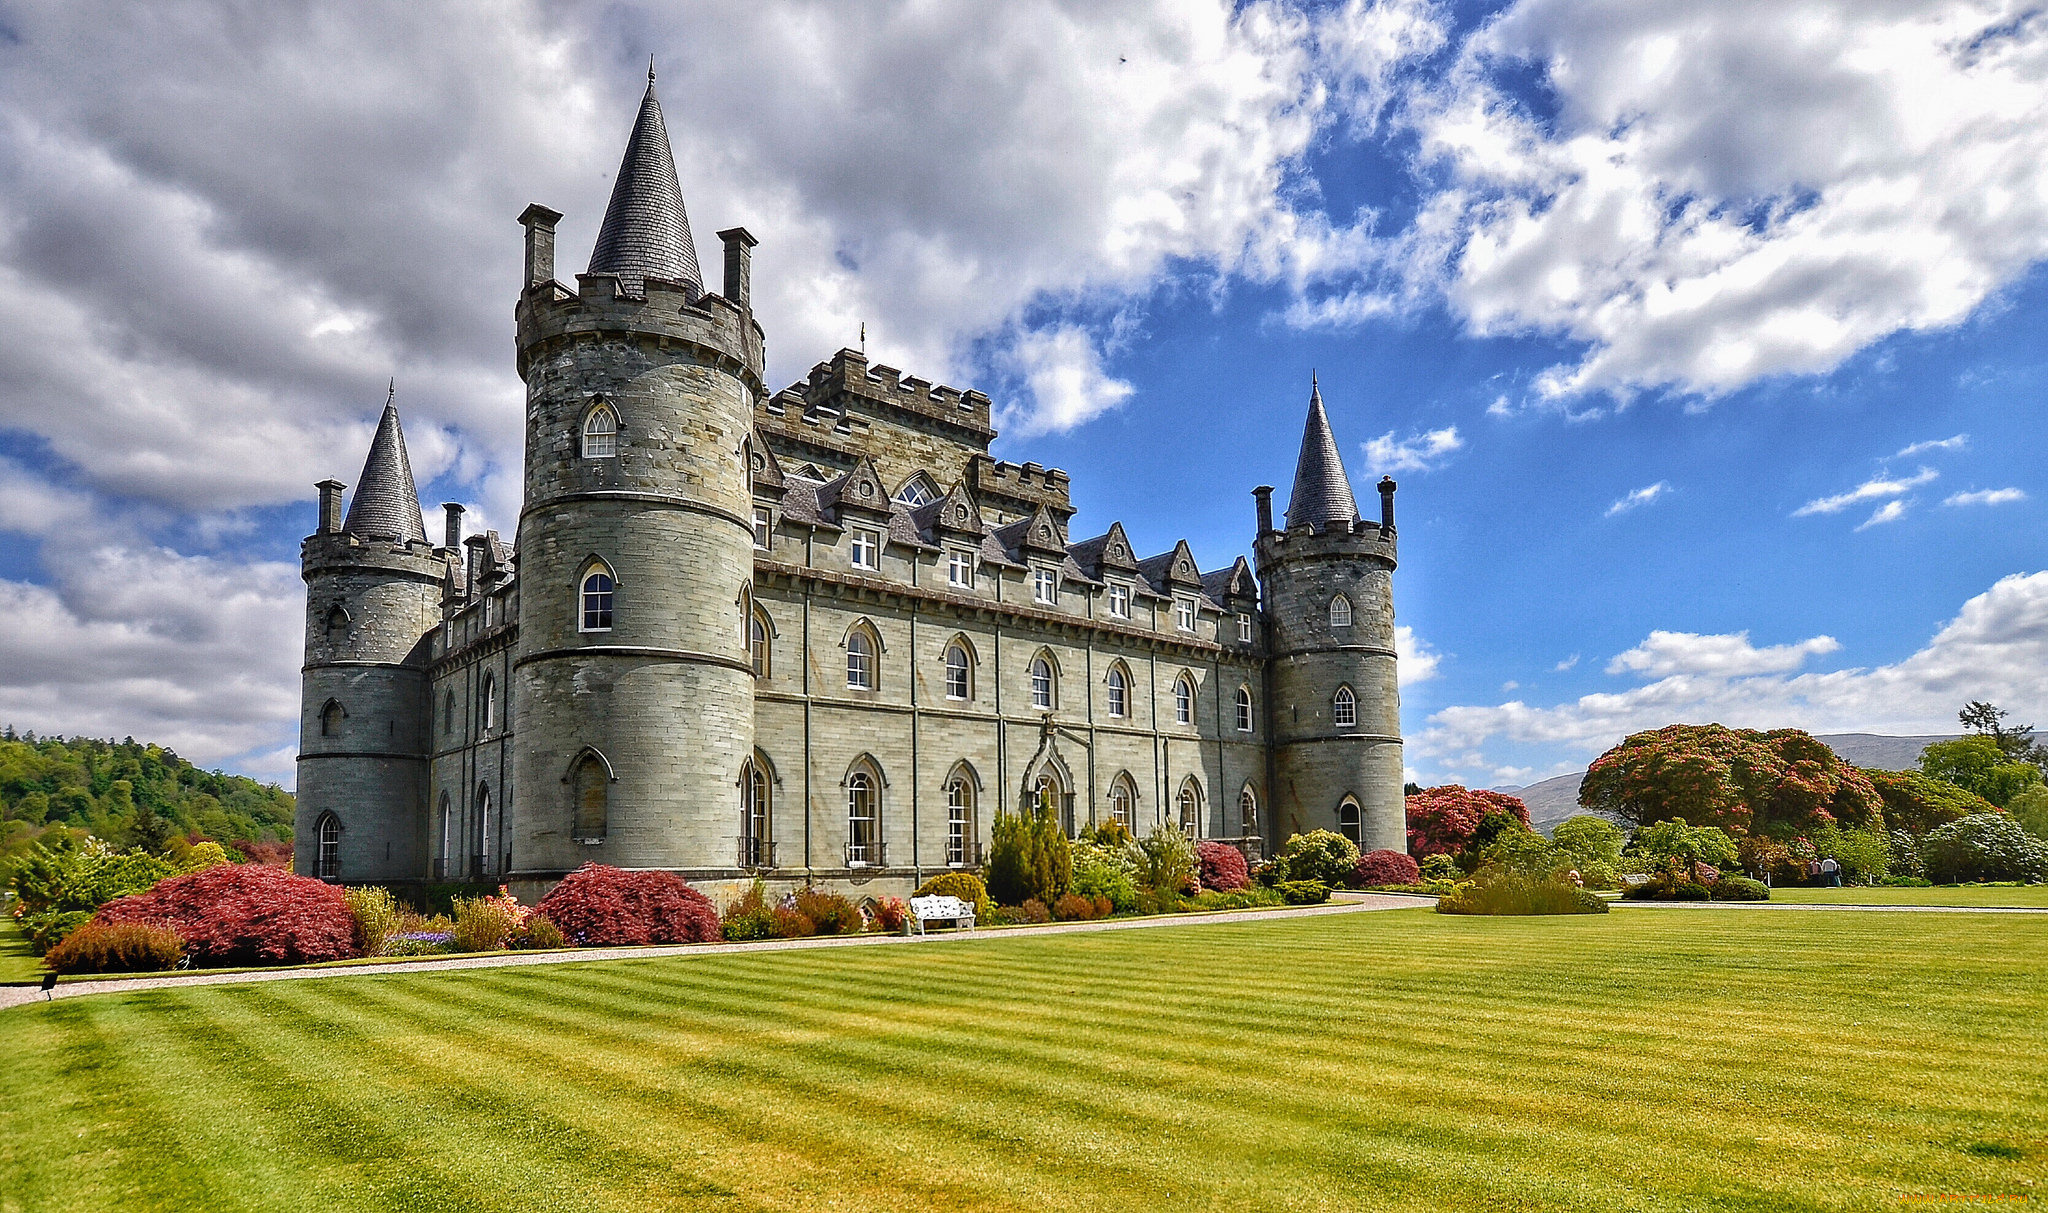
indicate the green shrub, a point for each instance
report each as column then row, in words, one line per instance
column 749, row 917
column 539, row 934
column 62, row 881
column 1495, row 891
column 964, row 885
column 1442, row 867
column 1865, row 855
column 1028, row 858
column 1303, row 892
column 1983, row 846
column 1906, row 882
column 1321, row 856
column 829, row 912
column 1739, row 888
column 1108, row 871
column 1239, row 899
column 99, row 947
column 483, row 924
column 2029, row 807
column 1160, row 901
column 1663, row 887
column 1166, row 861
column 375, row 913
column 1593, row 847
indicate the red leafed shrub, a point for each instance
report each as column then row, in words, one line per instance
column 130, row 947
column 1744, row 781
column 1223, row 867
column 600, row 904
column 831, row 913
column 269, row 854
column 244, row 914
column 1034, row 910
column 1385, row 867
column 889, row 914
column 1072, row 907
column 1443, row 821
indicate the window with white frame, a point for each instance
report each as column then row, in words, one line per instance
column 1244, row 628
column 1344, row 709
column 757, row 643
column 1045, row 586
column 959, row 820
column 867, row 550
column 764, row 531
column 1119, row 601
column 861, row 820
column 960, row 569
column 1184, row 614
column 1340, row 612
column 1041, row 684
column 959, row 675
column 1244, row 709
column 1123, row 805
column 1119, row 691
column 1183, row 700
column 601, row 433
column 597, row 601
column 860, row 661
column 1349, row 820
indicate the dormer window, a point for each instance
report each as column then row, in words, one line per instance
column 919, row 491
column 601, row 433
column 867, row 550
column 960, row 570
column 1045, row 586
column 1244, row 628
column 1119, row 601
column 1184, row 614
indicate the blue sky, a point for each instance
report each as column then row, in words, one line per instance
column 1703, row 338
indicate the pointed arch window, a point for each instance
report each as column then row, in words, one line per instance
column 755, row 849
column 480, row 831
column 1349, row 820
column 959, row 820
column 327, row 847
column 1248, row 811
column 863, row 820
column 1190, row 804
column 487, row 703
column 1183, row 700
column 448, row 715
column 1044, row 687
column 860, row 660
column 601, row 433
column 1344, row 708
column 591, row 782
column 1244, row 709
column 1340, row 612
column 959, row 672
column 446, row 849
column 331, row 718
column 598, row 588
column 336, row 625
column 1119, row 691
column 1123, row 804
column 758, row 654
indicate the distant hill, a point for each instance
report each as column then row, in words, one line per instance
column 130, row 793
column 1553, row 800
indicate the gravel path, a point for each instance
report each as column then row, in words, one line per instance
column 1350, row 903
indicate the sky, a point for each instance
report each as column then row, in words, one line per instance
column 1705, row 339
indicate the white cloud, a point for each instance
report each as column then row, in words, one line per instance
column 1420, row 451
column 1725, row 192
column 1986, row 497
column 1992, row 650
column 1956, row 443
column 1068, row 386
column 1718, row 656
column 1639, row 497
column 1877, row 488
column 1416, row 661
column 1890, row 511
column 1568, row 663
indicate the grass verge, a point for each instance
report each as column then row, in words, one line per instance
column 2033, row 896
column 18, row 961
column 1398, row 1060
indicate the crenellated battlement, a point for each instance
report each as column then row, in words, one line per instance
column 1364, row 540
column 847, row 381
column 665, row 311
column 1028, row 483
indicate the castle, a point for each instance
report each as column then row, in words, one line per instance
column 815, row 634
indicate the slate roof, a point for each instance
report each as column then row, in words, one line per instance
column 1322, row 493
column 646, row 232
column 386, row 504
column 1237, row 576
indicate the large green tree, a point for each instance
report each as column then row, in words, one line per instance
column 1781, row 782
column 1978, row 763
column 1917, row 802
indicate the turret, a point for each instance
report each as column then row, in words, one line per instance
column 632, row 691
column 1335, row 701
column 373, row 593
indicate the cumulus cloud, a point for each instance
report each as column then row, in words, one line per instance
column 1877, row 488
column 1420, row 451
column 1417, row 662
column 1639, row 497
column 1956, row 443
column 1986, row 497
column 1068, row 386
column 1719, row 656
column 1993, row 649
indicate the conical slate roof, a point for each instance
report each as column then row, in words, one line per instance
column 646, row 232
column 1322, row 493
column 386, row 504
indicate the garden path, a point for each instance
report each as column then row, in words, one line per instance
column 1342, row 903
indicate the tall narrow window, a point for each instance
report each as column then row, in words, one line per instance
column 597, row 601
column 327, row 841
column 1041, row 684
column 1119, row 601
column 1244, row 709
column 860, row 661
column 958, row 683
column 754, row 849
column 1123, row 805
column 447, row 851
column 861, row 834
column 487, row 703
column 960, row 570
column 1045, row 587
column 336, row 626
column 1344, row 709
column 764, row 531
column 1247, row 811
column 1183, row 700
column 959, row 821
column 592, row 783
column 601, row 434
column 1340, row 612
column 1244, row 629
column 757, row 643
column 448, row 714
column 331, row 717
column 1190, row 810
column 1184, row 614
column 1348, row 820
column 867, row 547
column 1119, row 691
column 480, row 832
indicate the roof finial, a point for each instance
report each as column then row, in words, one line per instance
column 391, row 393
column 650, row 69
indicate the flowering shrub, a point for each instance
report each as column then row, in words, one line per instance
column 488, row 924
column 1166, row 862
column 1983, row 846
column 888, row 914
column 1447, row 820
column 750, row 917
column 831, row 913
column 1740, row 780
column 1385, row 867
column 1319, row 855
column 964, row 885
column 1107, row 871
column 1917, row 802
column 1223, row 866
column 245, row 914
column 131, row 947
column 600, row 904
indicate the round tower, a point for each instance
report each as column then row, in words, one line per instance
column 373, row 597
column 632, row 694
column 1334, row 697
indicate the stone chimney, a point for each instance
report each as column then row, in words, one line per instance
column 739, row 266
column 451, row 537
column 1264, row 496
column 330, row 506
column 540, row 223
column 1386, row 503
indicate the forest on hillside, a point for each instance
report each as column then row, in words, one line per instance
column 131, row 794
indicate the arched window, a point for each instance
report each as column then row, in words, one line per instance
column 480, row 831
column 331, row 718
column 487, row 703
column 592, row 782
column 1348, row 819
column 918, row 490
column 860, row 660
column 1340, row 612
column 1049, row 795
column 754, row 805
column 446, row 850
column 959, row 672
column 863, row 821
column 597, row 600
column 327, row 844
column 1344, row 708
column 1190, row 809
column 1123, row 804
column 1183, row 700
column 757, row 642
column 448, row 714
column 1119, row 691
column 1044, row 692
column 1244, row 709
column 1248, row 811
column 601, row 433
column 336, row 626
column 959, row 820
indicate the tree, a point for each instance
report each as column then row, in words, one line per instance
column 2030, row 809
column 2016, row 741
column 1977, row 763
column 1594, row 845
column 1917, row 802
column 1781, row 782
column 1448, row 820
column 1678, row 847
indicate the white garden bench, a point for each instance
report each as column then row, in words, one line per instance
column 941, row 909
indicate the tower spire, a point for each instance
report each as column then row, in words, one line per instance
column 387, row 505
column 1322, row 493
column 646, row 231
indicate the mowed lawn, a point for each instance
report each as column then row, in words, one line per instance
column 2033, row 896
column 1641, row 1060
column 18, row 961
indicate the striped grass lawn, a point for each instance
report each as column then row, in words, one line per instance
column 1642, row 1060
column 2033, row 896
column 18, row 961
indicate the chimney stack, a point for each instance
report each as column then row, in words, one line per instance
column 1264, row 496
column 452, row 535
column 540, row 223
column 739, row 266
column 330, row 506
column 1387, row 504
